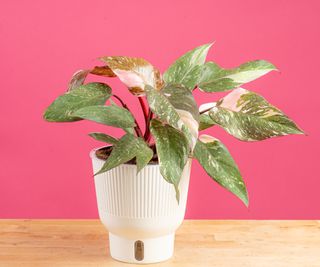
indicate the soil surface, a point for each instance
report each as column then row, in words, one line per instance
column 104, row 152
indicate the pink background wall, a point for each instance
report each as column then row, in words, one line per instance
column 45, row 169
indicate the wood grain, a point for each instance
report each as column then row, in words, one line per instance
column 198, row 243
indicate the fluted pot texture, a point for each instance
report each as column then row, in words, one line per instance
column 140, row 211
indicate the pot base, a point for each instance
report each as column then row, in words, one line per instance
column 145, row 250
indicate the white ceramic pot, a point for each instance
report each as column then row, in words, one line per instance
column 140, row 210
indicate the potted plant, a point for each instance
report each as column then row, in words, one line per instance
column 142, row 178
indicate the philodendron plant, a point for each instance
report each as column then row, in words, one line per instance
column 172, row 117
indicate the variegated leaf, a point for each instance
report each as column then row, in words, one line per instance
column 205, row 119
column 130, row 130
column 183, row 101
column 109, row 115
column 205, row 122
column 172, row 149
column 103, row 71
column 126, row 149
column 104, row 138
column 220, row 166
column 186, row 70
column 143, row 154
column 63, row 108
column 135, row 73
column 79, row 77
column 175, row 105
column 216, row 79
column 249, row 117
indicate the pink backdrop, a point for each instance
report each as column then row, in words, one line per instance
column 45, row 168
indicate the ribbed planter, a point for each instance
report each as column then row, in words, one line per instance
column 140, row 210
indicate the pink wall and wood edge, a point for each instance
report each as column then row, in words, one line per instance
column 45, row 167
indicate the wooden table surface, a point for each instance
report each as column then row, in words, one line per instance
column 198, row 243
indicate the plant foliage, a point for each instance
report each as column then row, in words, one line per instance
column 173, row 119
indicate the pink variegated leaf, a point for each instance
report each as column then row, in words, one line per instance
column 249, row 117
column 79, row 77
column 135, row 73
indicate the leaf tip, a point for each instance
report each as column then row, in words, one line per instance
column 177, row 193
column 211, row 44
column 245, row 199
column 275, row 68
column 269, row 65
column 298, row 130
column 302, row 132
column 100, row 172
column 208, row 46
column 138, row 170
column 46, row 116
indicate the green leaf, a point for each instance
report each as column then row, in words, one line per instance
column 109, row 115
column 161, row 106
column 249, row 117
column 205, row 122
column 62, row 109
column 184, row 103
column 130, row 130
column 205, row 119
column 135, row 73
column 175, row 105
column 219, row 165
column 216, row 79
column 143, row 154
column 104, row 138
column 186, row 70
column 126, row 149
column 172, row 149
column 182, row 100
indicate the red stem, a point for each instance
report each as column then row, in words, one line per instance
column 144, row 108
column 147, row 135
column 147, row 113
column 121, row 102
column 137, row 128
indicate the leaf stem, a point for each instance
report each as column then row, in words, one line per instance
column 121, row 102
column 147, row 113
column 144, row 108
column 147, row 135
column 137, row 127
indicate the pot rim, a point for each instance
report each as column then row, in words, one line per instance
column 93, row 155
